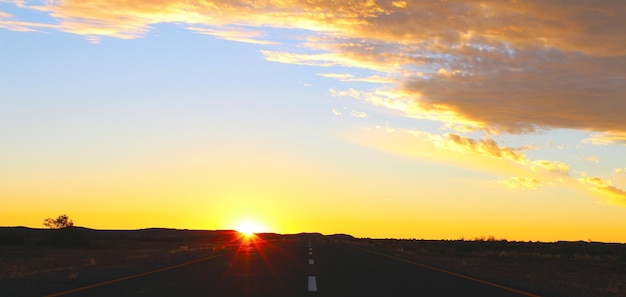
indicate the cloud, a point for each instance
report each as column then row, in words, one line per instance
column 595, row 181
column 399, row 4
column 485, row 147
column 233, row 34
column 490, row 148
column 358, row 114
column 350, row 55
column 18, row 3
column 502, row 67
column 551, row 166
column 614, row 194
column 133, row 19
column 533, row 64
column 529, row 90
column 320, row 60
column 406, row 104
column 353, row 113
column 531, row 69
column 7, row 22
column 520, row 183
column 592, row 159
column 607, row 138
column 25, row 26
column 486, row 155
column 350, row 78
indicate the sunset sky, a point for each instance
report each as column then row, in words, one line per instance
column 407, row 119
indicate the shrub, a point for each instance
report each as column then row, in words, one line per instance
column 62, row 221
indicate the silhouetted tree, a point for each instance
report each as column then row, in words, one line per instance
column 63, row 235
column 61, row 222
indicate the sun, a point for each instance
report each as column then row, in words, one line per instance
column 248, row 228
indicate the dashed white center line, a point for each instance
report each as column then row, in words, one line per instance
column 312, row 280
column 312, row 284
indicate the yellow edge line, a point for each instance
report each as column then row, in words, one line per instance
column 451, row 273
column 134, row 276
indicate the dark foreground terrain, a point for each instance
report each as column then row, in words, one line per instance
column 36, row 262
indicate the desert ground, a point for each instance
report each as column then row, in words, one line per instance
column 36, row 262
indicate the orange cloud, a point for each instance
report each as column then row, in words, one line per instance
column 574, row 27
column 131, row 19
column 552, row 166
column 490, row 148
column 607, row 138
column 399, row 4
column 485, row 155
column 615, row 195
column 520, row 183
column 486, row 147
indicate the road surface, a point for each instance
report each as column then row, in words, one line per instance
column 297, row 267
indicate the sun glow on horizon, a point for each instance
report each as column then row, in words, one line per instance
column 249, row 228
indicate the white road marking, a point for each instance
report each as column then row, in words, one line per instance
column 312, row 284
column 311, row 262
column 310, row 253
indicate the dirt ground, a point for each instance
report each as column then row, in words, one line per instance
column 576, row 269
column 35, row 271
column 35, row 267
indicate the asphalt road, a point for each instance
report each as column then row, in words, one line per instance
column 298, row 268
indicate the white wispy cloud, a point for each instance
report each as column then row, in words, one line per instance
column 351, row 78
column 233, row 34
column 358, row 114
